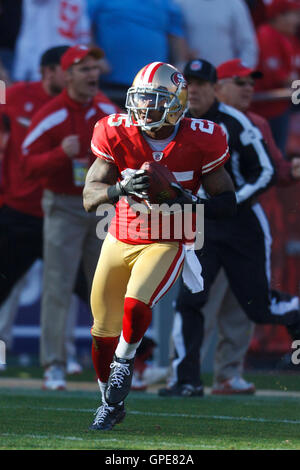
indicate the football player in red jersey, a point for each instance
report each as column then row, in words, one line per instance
column 136, row 269
column 57, row 151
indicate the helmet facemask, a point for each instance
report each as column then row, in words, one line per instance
column 160, row 88
column 141, row 100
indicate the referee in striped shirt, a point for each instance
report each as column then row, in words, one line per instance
column 241, row 245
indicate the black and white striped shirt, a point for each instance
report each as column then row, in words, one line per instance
column 250, row 166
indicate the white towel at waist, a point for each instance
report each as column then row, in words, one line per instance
column 192, row 270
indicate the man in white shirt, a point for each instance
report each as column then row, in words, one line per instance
column 46, row 24
column 219, row 30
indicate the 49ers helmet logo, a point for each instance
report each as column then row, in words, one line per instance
column 178, row 78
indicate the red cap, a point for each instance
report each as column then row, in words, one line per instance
column 76, row 54
column 276, row 7
column 236, row 68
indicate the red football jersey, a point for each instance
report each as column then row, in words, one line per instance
column 198, row 148
column 23, row 100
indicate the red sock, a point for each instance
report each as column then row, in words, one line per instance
column 136, row 320
column 102, row 355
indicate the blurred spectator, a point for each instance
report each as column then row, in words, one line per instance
column 4, row 77
column 21, row 212
column 276, row 62
column 10, row 307
column 258, row 10
column 57, row 150
column 145, row 373
column 21, row 217
column 219, row 30
column 234, row 328
column 134, row 33
column 45, row 24
column 10, row 20
column 241, row 244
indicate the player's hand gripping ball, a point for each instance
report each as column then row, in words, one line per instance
column 160, row 179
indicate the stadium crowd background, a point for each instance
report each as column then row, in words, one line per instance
column 265, row 34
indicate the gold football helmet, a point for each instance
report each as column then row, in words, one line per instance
column 161, row 87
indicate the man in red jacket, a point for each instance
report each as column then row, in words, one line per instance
column 57, row 150
column 21, row 213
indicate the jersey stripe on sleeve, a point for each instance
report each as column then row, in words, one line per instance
column 102, row 155
column 212, row 165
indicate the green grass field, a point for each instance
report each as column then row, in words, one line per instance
column 35, row 419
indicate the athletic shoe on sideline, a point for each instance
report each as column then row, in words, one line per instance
column 54, row 378
column 106, row 417
column 234, row 386
column 73, row 367
column 137, row 383
column 153, row 374
column 149, row 376
column 182, row 390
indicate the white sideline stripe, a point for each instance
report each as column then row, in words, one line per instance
column 47, row 436
column 71, row 438
column 170, row 415
column 217, row 417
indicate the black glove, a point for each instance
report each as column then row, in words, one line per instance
column 135, row 185
column 221, row 206
column 184, row 196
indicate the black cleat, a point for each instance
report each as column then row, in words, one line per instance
column 182, row 390
column 119, row 382
column 107, row 416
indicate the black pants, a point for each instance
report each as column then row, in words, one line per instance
column 21, row 244
column 242, row 246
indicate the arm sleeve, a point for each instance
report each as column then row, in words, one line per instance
column 39, row 157
column 252, row 163
column 217, row 151
column 99, row 145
